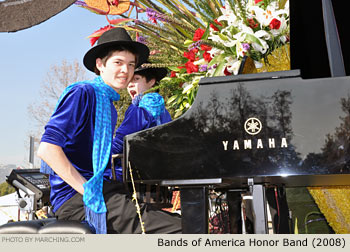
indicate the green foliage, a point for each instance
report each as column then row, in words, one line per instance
column 5, row 189
column 122, row 105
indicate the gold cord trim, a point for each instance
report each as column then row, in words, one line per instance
column 134, row 198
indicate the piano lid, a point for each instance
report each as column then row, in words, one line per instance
column 308, row 47
column 259, row 125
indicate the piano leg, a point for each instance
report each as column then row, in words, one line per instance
column 194, row 210
column 259, row 210
column 234, row 201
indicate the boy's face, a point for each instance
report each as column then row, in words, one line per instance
column 118, row 70
column 138, row 85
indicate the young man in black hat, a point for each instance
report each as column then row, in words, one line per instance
column 146, row 110
column 76, row 145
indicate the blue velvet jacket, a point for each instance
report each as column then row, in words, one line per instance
column 72, row 128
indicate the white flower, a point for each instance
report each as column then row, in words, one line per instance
column 283, row 39
column 260, row 48
column 210, row 72
column 260, row 36
column 200, row 62
column 233, row 65
column 228, row 15
column 264, row 17
column 263, row 34
column 242, row 35
column 239, row 49
column 215, row 38
column 215, row 52
column 186, row 86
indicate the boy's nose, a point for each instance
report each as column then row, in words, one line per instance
column 125, row 68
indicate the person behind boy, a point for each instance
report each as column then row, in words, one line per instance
column 146, row 111
column 76, row 145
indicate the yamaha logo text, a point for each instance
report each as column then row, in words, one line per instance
column 253, row 127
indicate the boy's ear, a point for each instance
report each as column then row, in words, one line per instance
column 99, row 63
column 152, row 82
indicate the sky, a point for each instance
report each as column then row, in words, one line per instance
column 25, row 58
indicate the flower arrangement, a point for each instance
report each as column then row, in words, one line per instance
column 203, row 38
column 254, row 28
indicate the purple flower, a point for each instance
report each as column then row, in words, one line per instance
column 142, row 40
column 154, row 16
column 203, row 68
column 81, row 3
column 150, row 12
column 213, row 66
column 245, row 46
column 195, row 45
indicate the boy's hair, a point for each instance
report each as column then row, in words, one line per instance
column 107, row 53
column 149, row 74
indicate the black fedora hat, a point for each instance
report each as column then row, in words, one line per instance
column 147, row 68
column 115, row 36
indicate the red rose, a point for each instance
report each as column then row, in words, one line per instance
column 172, row 74
column 207, row 56
column 205, row 47
column 252, row 23
column 226, row 72
column 214, row 27
column 198, row 34
column 257, row 1
column 191, row 55
column 190, row 67
column 275, row 24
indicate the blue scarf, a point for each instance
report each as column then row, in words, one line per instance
column 95, row 207
column 153, row 103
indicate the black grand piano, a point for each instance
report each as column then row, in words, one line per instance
column 289, row 128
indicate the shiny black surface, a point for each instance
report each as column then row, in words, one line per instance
column 311, row 116
column 308, row 48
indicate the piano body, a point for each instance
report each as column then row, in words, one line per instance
column 288, row 128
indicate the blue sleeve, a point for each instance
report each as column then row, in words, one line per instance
column 135, row 119
column 165, row 117
column 70, row 115
column 154, row 103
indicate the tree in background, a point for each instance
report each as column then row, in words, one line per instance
column 57, row 79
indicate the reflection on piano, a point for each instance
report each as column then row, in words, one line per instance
column 288, row 128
